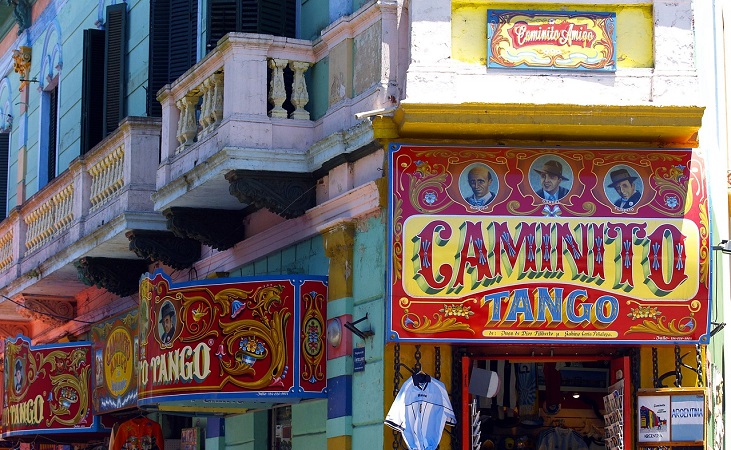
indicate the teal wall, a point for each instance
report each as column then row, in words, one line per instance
column 317, row 84
column 369, row 284
column 308, row 425
column 306, row 258
column 58, row 38
column 315, row 17
column 247, row 431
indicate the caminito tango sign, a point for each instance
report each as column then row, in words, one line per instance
column 258, row 339
column 546, row 245
column 47, row 388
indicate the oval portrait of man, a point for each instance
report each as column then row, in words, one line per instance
column 551, row 178
column 167, row 324
column 478, row 185
column 623, row 187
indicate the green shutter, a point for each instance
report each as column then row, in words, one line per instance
column 223, row 18
column 92, row 90
column 173, row 37
column 4, row 153
column 115, row 67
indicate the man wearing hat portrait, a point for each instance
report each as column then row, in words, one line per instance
column 167, row 320
column 18, row 376
column 551, row 177
column 624, row 183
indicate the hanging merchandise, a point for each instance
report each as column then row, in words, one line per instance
column 139, row 433
column 420, row 411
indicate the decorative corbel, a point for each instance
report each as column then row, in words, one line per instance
column 50, row 310
column 21, row 64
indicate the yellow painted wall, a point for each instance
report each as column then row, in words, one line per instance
column 666, row 363
column 634, row 30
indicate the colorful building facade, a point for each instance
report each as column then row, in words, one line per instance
column 268, row 219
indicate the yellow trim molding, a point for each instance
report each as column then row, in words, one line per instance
column 630, row 125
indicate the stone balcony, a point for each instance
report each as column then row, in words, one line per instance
column 85, row 211
column 235, row 130
column 245, row 100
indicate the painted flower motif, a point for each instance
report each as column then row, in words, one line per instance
column 672, row 201
column 430, row 197
column 456, row 310
column 644, row 312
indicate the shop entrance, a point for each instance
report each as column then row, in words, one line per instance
column 556, row 402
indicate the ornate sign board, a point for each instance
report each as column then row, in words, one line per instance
column 551, row 40
column 115, row 349
column 48, row 389
column 547, row 246
column 212, row 343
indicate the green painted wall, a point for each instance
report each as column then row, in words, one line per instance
column 315, row 17
column 247, row 431
column 308, row 425
column 318, row 88
column 369, row 284
column 66, row 29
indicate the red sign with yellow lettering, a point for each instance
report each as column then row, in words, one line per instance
column 221, row 341
column 548, row 246
column 47, row 389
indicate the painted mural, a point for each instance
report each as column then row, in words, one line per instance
column 240, row 338
column 48, row 388
column 115, row 344
column 546, row 245
column 551, row 40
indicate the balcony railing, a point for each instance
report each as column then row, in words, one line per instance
column 248, row 77
column 120, row 167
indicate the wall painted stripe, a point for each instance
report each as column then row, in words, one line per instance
column 339, row 396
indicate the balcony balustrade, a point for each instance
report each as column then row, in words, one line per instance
column 245, row 98
column 115, row 178
column 248, row 78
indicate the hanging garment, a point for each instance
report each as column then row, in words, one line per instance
column 115, row 428
column 560, row 439
column 528, row 394
column 139, row 433
column 420, row 411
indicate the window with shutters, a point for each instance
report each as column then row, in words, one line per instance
column 114, row 66
column 104, row 72
column 173, row 43
column 49, row 133
column 275, row 17
column 92, row 90
column 4, row 154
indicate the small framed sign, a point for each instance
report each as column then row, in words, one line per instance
column 672, row 416
column 551, row 40
column 359, row 359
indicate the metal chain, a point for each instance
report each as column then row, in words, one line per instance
column 396, row 443
column 678, row 370
column 699, row 365
column 396, row 369
column 417, row 358
column 655, row 375
column 437, row 363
